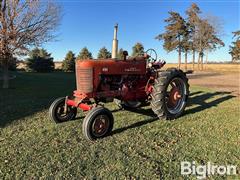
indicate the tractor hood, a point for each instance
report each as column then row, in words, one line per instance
column 112, row 66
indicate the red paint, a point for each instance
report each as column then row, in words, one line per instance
column 84, row 107
column 71, row 103
column 90, row 86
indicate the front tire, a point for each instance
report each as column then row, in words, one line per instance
column 56, row 111
column 98, row 123
column 170, row 94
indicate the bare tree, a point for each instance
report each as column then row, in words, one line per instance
column 24, row 24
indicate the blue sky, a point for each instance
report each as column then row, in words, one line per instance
column 90, row 24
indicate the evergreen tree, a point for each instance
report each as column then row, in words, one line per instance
column 206, row 39
column 235, row 47
column 186, row 43
column 120, row 54
column 203, row 34
column 69, row 62
column 137, row 50
column 174, row 33
column 192, row 19
column 40, row 61
column 84, row 54
column 104, row 53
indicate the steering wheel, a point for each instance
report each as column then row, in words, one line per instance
column 152, row 55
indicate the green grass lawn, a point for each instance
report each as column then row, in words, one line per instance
column 140, row 146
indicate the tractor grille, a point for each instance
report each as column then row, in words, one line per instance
column 84, row 79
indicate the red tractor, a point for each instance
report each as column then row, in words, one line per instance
column 132, row 81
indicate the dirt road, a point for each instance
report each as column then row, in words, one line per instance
column 228, row 82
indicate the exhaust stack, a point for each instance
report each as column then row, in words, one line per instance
column 115, row 43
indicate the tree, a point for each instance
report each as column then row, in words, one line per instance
column 84, row 54
column 24, row 24
column 40, row 61
column 69, row 62
column 187, row 44
column 104, row 53
column 192, row 20
column 204, row 34
column 137, row 49
column 12, row 64
column 173, row 35
column 206, row 38
column 218, row 31
column 235, row 47
column 120, row 54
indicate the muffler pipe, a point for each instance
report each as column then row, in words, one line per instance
column 115, row 43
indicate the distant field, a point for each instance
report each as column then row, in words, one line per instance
column 140, row 147
column 207, row 67
column 210, row 67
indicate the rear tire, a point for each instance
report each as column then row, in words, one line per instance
column 56, row 111
column 98, row 123
column 170, row 104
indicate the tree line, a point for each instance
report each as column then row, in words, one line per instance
column 27, row 24
column 192, row 34
column 40, row 60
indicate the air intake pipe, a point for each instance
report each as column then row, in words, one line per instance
column 115, row 43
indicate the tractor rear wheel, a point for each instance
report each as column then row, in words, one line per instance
column 170, row 94
column 57, row 114
column 98, row 123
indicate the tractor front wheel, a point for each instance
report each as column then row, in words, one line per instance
column 170, row 94
column 98, row 123
column 57, row 111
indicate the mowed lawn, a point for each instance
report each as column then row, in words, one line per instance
column 140, row 146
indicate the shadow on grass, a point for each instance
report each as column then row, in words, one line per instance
column 198, row 97
column 135, row 125
column 201, row 101
column 34, row 92
column 30, row 93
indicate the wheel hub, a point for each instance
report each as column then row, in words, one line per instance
column 100, row 125
column 174, row 96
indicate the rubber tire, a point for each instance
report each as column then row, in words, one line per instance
column 158, row 95
column 89, row 119
column 53, row 108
